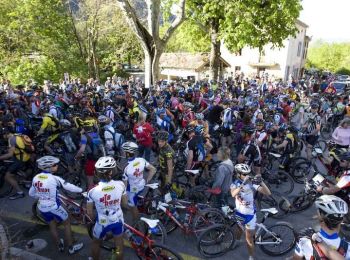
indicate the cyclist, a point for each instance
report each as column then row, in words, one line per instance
column 227, row 123
column 143, row 133
column 243, row 189
column 195, row 149
column 50, row 125
column 45, row 187
column 325, row 244
column 286, row 143
column 107, row 197
column 313, row 127
column 260, row 134
column 20, row 149
column 112, row 139
column 166, row 159
column 250, row 153
column 134, row 175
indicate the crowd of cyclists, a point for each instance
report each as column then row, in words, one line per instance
column 118, row 137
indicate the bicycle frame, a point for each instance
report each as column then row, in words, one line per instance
column 258, row 241
column 83, row 217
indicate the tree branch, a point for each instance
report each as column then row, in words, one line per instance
column 176, row 23
column 140, row 31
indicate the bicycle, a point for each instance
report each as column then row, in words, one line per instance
column 280, row 236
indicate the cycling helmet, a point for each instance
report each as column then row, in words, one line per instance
column 199, row 129
column 130, row 147
column 65, row 123
column 102, row 119
column 105, row 163
column 277, row 118
column 163, row 136
column 315, row 105
column 242, row 168
column 199, row 116
column 190, row 129
column 332, row 209
column 248, row 129
column 45, row 163
column 187, row 104
column 259, row 122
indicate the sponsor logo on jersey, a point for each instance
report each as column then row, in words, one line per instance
column 136, row 164
column 108, row 188
column 43, row 177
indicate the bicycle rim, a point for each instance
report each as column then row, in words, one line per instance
column 283, row 232
column 281, row 182
column 161, row 252
column 216, row 241
column 206, row 218
column 299, row 170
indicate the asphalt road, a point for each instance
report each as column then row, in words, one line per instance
column 22, row 227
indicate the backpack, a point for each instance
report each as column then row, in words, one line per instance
column 25, row 145
column 95, row 146
column 118, row 139
column 68, row 142
column 342, row 249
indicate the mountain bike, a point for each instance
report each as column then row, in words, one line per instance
column 274, row 240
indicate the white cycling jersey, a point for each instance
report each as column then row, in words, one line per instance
column 305, row 249
column 107, row 198
column 45, row 187
column 133, row 174
column 245, row 198
column 344, row 181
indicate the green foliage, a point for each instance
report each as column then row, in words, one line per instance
column 334, row 57
column 189, row 38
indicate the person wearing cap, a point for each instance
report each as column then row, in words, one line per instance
column 325, row 244
column 166, row 159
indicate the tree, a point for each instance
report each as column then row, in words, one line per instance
column 238, row 24
column 148, row 34
column 334, row 57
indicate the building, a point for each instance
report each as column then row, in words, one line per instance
column 277, row 62
column 193, row 66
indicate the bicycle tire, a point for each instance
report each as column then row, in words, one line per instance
column 158, row 234
column 297, row 204
column 5, row 188
column 213, row 237
column 299, row 170
column 206, row 218
column 197, row 194
column 263, row 202
column 159, row 251
column 167, row 222
column 280, row 182
column 289, row 243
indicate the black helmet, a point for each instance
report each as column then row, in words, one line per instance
column 163, row 136
column 248, row 129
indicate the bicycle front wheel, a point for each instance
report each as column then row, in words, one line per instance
column 216, row 241
column 206, row 218
column 282, row 238
column 280, row 182
column 161, row 252
column 158, row 233
column 296, row 204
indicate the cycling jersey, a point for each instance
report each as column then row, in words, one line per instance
column 252, row 153
column 45, row 187
column 110, row 113
column 133, row 174
column 165, row 153
column 313, row 121
column 49, row 124
column 107, row 198
column 227, row 118
column 305, row 249
column 245, row 197
column 196, row 144
column 20, row 153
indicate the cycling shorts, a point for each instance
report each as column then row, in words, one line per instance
column 133, row 198
column 59, row 214
column 15, row 166
column 100, row 231
column 248, row 220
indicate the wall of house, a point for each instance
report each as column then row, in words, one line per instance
column 288, row 59
column 181, row 73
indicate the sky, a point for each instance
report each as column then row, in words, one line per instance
column 327, row 19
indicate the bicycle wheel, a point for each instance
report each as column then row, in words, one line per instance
column 197, row 194
column 264, row 202
column 216, row 241
column 283, row 234
column 158, row 233
column 5, row 187
column 167, row 222
column 160, row 252
column 296, row 203
column 206, row 218
column 326, row 131
column 280, row 182
column 300, row 171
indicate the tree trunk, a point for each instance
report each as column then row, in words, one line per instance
column 148, row 68
column 214, row 51
column 152, row 70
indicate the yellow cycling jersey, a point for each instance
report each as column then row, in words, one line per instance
column 49, row 124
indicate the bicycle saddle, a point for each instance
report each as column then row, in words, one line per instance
column 152, row 223
column 276, row 155
column 194, row 172
column 272, row 211
column 153, row 186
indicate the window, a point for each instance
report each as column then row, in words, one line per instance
column 237, row 68
column 299, row 49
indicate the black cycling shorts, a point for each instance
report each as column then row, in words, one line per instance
column 15, row 166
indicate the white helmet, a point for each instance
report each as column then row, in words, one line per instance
column 105, row 162
column 65, row 122
column 130, row 147
column 45, row 163
column 242, row 168
column 102, row 119
column 332, row 206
